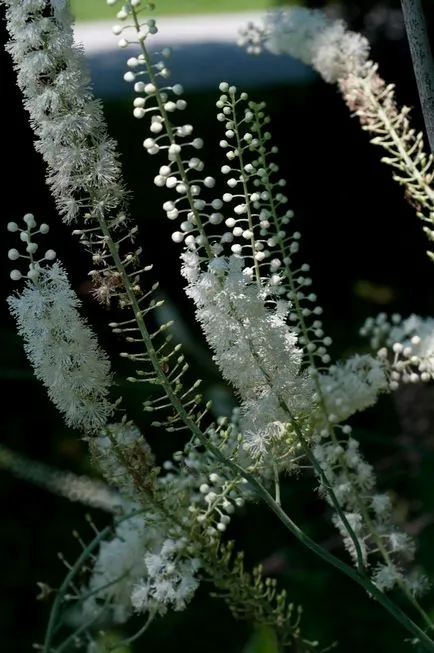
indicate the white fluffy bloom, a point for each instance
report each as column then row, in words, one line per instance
column 253, row 346
column 312, row 37
column 51, row 72
column 119, row 565
column 353, row 385
column 62, row 349
column 171, row 580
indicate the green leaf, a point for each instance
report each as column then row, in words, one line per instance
column 107, row 643
column 263, row 640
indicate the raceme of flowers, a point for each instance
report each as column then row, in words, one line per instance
column 253, row 301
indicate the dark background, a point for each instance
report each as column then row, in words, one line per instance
column 367, row 254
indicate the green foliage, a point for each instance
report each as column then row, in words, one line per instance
column 263, row 640
column 86, row 10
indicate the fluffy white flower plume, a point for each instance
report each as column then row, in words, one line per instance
column 171, row 580
column 313, row 38
column 353, row 386
column 141, row 569
column 257, row 352
column 119, row 565
column 62, row 349
column 82, row 167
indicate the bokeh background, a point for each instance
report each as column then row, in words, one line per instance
column 367, row 254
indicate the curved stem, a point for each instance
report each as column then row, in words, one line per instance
column 73, row 571
column 364, row 582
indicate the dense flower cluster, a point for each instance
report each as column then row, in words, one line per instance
column 253, row 302
column 62, row 349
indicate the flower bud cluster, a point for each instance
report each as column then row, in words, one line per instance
column 253, row 198
column 26, row 234
column 210, row 494
column 258, row 228
column 408, row 347
column 181, row 172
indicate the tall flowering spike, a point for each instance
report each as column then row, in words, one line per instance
column 82, row 167
column 255, row 350
column 60, row 345
column 342, row 56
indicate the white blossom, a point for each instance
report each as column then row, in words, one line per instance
column 353, row 385
column 82, row 166
column 257, row 352
column 62, row 349
column 312, row 37
column 171, row 581
column 119, row 564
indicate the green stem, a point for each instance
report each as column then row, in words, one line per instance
column 74, row 570
column 364, row 582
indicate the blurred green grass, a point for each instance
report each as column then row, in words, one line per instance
column 85, row 10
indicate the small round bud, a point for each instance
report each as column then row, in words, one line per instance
column 174, row 148
column 12, row 226
column 44, row 228
column 30, row 221
column 122, row 14
column 50, row 255
column 15, row 275
column 209, row 182
column 31, row 248
column 33, row 273
column 13, row 254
